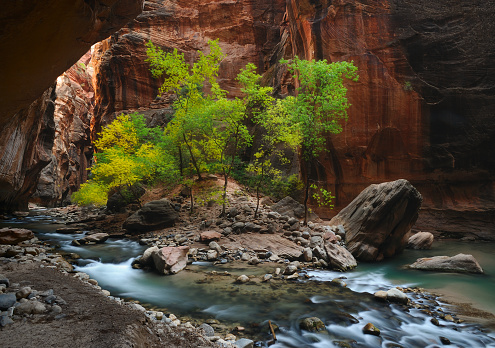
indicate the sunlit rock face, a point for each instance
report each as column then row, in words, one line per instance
column 72, row 149
column 40, row 40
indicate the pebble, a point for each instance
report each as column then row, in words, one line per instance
column 6, row 301
column 370, row 329
column 207, row 329
column 242, row 279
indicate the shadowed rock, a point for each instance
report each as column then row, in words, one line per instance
column 152, row 216
column 14, row 235
column 377, row 220
column 460, row 263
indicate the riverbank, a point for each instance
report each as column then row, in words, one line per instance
column 89, row 317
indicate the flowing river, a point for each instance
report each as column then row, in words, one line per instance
column 198, row 294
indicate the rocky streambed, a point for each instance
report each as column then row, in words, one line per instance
column 236, row 281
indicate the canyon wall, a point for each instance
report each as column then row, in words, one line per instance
column 422, row 109
column 40, row 40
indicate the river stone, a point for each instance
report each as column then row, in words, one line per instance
column 209, row 236
column 152, row 216
column 216, row 247
column 7, row 301
column 14, row 235
column 68, row 230
column 378, row 219
column 395, row 295
column 147, row 258
column 23, row 292
column 290, row 269
column 312, row 324
column 339, row 258
column 244, row 343
column 212, row 255
column 207, row 329
column 370, row 329
column 381, row 295
column 242, row 278
column 170, row 260
column 460, row 263
column 30, row 307
column 4, row 280
column 94, row 238
column 5, row 320
column 307, row 254
column 421, row 240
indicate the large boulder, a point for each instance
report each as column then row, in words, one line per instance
column 460, row 263
column 420, row 240
column 152, row 216
column 14, row 235
column 170, row 260
column 378, row 219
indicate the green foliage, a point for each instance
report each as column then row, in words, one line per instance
column 90, row 193
column 322, row 196
column 129, row 153
column 319, row 107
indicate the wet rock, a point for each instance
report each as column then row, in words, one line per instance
column 460, row 263
column 242, row 279
column 435, row 321
column 147, row 258
column 339, row 258
column 381, row 295
column 254, row 261
column 421, row 240
column 7, row 300
column 68, row 230
column 395, row 295
column 444, row 340
column 96, row 238
column 170, row 260
column 152, row 216
column 312, row 324
column 370, row 329
column 30, row 307
column 211, row 255
column 207, row 329
column 244, row 343
column 14, row 235
column 378, row 219
column 339, row 282
column 290, row 269
column 209, row 236
column 267, row 277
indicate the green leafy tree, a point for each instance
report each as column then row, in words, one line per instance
column 129, row 152
column 188, row 85
column 318, row 108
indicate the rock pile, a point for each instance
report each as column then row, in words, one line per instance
column 18, row 302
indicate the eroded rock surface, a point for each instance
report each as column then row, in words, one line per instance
column 460, row 263
column 15, row 235
column 378, row 220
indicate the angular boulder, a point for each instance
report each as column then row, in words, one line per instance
column 339, row 258
column 96, row 238
column 460, row 263
column 14, row 235
column 170, row 260
column 420, row 240
column 377, row 220
column 152, row 216
column 210, row 236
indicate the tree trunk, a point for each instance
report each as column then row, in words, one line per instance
column 257, row 201
column 224, row 196
column 193, row 159
column 180, row 160
column 306, row 196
